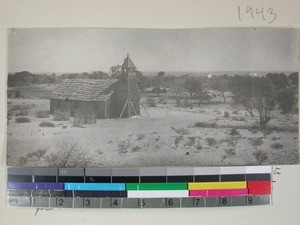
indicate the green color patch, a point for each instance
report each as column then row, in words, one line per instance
column 156, row 186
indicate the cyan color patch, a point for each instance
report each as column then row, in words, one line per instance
column 95, row 186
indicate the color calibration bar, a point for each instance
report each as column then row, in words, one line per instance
column 139, row 187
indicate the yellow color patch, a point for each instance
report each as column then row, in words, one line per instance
column 217, row 185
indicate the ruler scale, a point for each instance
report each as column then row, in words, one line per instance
column 175, row 187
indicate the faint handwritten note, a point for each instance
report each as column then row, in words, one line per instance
column 249, row 12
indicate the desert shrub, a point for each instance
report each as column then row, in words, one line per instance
column 69, row 154
column 22, row 119
column 123, row 147
column 260, row 156
column 23, row 112
column 36, row 155
column 162, row 100
column 47, row 124
column 256, row 141
column 178, row 140
column 230, row 151
column 276, row 145
column 238, row 118
column 22, row 160
column 235, row 112
column 20, row 107
column 211, row 141
column 186, row 103
column 226, row 114
column 32, row 156
column 60, row 115
column 136, row 148
column 42, row 114
column 192, row 141
column 178, row 102
column 78, row 125
column 151, row 102
column 205, row 125
column 141, row 136
column 234, row 131
column 198, row 146
column 181, row 131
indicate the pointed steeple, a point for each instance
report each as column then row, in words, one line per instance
column 128, row 64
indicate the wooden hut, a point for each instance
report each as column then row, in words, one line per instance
column 105, row 98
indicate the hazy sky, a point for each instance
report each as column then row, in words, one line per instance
column 86, row 50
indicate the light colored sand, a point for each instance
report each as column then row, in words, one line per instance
column 151, row 141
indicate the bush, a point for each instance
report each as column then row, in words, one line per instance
column 205, row 125
column 187, row 103
column 230, row 151
column 70, row 155
column 22, row 113
column 211, row 141
column 151, row 102
column 20, row 107
column 42, row 114
column 226, row 114
column 234, row 131
column 47, row 124
column 178, row 102
column 256, row 141
column 260, row 156
column 22, row 119
column 276, row 145
column 60, row 115
column 162, row 100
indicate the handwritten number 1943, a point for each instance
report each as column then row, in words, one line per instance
column 267, row 15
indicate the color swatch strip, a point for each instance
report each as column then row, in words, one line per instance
column 139, row 183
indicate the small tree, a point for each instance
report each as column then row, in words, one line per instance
column 220, row 84
column 255, row 93
column 116, row 71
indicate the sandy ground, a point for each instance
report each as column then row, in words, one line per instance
column 168, row 137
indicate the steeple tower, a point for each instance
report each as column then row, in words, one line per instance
column 128, row 65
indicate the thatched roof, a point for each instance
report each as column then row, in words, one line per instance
column 84, row 89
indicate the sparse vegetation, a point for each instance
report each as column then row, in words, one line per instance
column 60, row 115
column 136, row 148
column 211, row 141
column 141, row 136
column 22, row 119
column 256, row 141
column 178, row 102
column 205, row 125
column 123, row 147
column 69, row 154
column 230, row 151
column 23, row 112
column 151, row 102
column 276, row 145
column 226, row 114
column 32, row 157
column 47, row 124
column 234, row 131
column 42, row 114
column 260, row 156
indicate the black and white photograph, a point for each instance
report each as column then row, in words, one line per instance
column 152, row 97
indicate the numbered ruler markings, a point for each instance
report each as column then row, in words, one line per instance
column 68, row 202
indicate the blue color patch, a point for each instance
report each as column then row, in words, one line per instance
column 95, row 186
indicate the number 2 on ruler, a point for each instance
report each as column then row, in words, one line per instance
column 267, row 15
